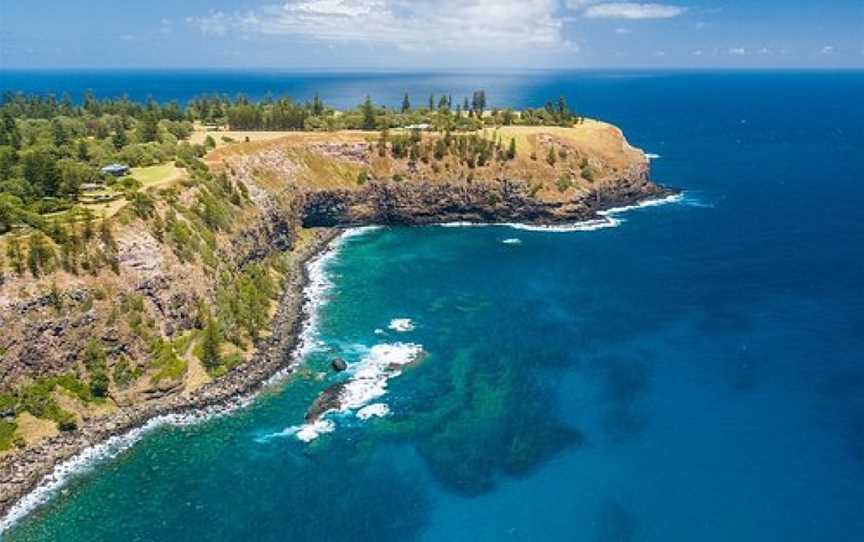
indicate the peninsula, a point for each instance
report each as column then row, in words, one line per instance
column 153, row 256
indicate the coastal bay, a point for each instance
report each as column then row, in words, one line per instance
column 672, row 374
column 281, row 185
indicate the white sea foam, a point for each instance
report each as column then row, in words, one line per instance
column 357, row 231
column 693, row 200
column 369, row 376
column 311, row 431
column 586, row 225
column 90, row 458
column 401, row 324
column 512, row 241
column 652, row 156
column 608, row 219
column 672, row 198
column 316, row 295
column 465, row 224
column 375, row 410
column 367, row 382
column 306, row 432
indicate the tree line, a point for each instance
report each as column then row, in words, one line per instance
column 50, row 148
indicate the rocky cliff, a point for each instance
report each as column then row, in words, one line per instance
column 421, row 202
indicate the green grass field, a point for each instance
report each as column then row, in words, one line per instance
column 156, row 175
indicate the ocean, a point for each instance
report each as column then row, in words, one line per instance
column 693, row 372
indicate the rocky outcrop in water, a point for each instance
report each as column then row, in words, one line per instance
column 338, row 365
column 329, row 399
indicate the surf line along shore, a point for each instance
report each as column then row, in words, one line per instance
column 38, row 472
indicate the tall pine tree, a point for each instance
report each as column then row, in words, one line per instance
column 211, row 343
column 368, row 114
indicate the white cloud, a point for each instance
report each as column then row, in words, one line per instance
column 623, row 31
column 632, row 10
column 828, row 49
column 165, row 26
column 737, row 51
column 416, row 25
column 215, row 24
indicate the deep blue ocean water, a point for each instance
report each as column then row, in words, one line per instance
column 696, row 373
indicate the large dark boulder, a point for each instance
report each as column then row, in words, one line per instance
column 338, row 364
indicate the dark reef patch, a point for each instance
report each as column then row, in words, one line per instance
column 616, row 524
column 474, row 421
column 622, row 383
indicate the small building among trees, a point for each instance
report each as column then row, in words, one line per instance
column 117, row 170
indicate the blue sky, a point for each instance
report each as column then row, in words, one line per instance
column 421, row 34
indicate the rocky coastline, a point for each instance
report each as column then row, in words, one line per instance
column 23, row 472
column 377, row 203
column 422, row 203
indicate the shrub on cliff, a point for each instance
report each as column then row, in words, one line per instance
column 124, row 373
column 511, row 151
column 95, row 361
column 37, row 400
column 15, row 255
column 551, row 158
column 7, row 434
column 564, row 182
column 40, row 254
column 165, row 361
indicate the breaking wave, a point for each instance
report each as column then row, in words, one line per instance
column 367, row 382
column 90, row 458
column 401, row 324
column 607, row 219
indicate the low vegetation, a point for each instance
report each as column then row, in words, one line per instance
column 38, row 398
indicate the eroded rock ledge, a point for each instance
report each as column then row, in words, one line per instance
column 419, row 202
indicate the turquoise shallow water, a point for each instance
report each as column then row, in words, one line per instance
column 695, row 373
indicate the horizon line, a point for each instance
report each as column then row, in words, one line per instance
column 433, row 69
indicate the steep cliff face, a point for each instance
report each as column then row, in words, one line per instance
column 45, row 334
column 419, row 202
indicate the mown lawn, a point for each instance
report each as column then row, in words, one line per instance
column 156, row 175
